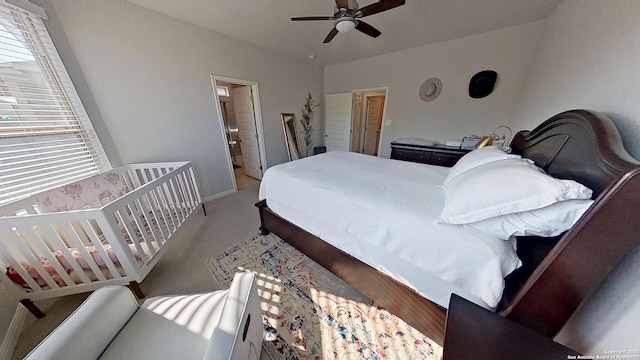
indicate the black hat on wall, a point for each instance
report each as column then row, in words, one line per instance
column 482, row 83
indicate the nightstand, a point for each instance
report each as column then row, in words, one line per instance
column 475, row 333
column 433, row 155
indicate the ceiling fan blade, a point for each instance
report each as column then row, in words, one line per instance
column 380, row 6
column 367, row 29
column 308, row 18
column 342, row 4
column 331, row 35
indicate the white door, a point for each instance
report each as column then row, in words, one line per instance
column 246, row 121
column 337, row 126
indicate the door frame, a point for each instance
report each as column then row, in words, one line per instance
column 257, row 112
column 384, row 111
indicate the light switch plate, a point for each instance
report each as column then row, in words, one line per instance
column 387, row 122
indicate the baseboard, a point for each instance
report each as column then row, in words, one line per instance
column 13, row 332
column 218, row 195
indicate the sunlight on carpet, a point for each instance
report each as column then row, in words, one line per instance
column 309, row 313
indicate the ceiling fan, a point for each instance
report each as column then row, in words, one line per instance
column 347, row 16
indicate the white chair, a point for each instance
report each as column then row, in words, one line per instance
column 110, row 324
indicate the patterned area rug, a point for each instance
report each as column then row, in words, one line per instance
column 309, row 313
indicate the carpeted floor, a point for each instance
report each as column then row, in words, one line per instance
column 311, row 314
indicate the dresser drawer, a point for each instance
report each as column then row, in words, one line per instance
column 443, row 159
column 411, row 155
column 433, row 155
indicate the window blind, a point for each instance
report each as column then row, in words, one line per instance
column 46, row 138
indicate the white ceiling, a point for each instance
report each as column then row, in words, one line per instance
column 267, row 23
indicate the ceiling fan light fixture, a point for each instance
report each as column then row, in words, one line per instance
column 346, row 17
column 345, row 25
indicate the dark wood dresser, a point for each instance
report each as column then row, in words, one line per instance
column 434, row 155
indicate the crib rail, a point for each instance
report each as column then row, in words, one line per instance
column 60, row 253
column 166, row 195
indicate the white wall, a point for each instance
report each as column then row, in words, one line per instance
column 453, row 114
column 588, row 58
column 150, row 77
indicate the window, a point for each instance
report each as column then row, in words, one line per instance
column 46, row 138
column 222, row 90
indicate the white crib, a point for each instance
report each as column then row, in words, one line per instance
column 111, row 228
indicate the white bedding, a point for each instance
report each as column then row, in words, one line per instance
column 384, row 212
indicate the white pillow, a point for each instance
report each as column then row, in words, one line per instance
column 504, row 187
column 548, row 221
column 476, row 158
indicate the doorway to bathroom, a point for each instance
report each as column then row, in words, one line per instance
column 238, row 105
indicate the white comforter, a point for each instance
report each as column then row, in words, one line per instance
column 383, row 212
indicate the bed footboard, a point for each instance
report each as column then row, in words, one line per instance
column 424, row 315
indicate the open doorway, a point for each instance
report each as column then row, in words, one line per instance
column 354, row 120
column 238, row 109
column 366, row 126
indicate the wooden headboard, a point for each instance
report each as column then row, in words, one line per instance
column 584, row 146
column 580, row 145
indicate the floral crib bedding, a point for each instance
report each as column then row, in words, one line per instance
column 91, row 192
column 94, row 191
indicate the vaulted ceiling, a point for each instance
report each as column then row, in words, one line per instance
column 267, row 23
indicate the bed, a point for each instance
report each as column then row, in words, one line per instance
column 522, row 275
column 111, row 228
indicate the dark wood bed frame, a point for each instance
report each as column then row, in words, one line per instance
column 558, row 274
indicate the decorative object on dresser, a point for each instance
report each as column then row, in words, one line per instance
column 501, row 140
column 470, row 142
column 435, row 154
